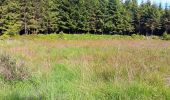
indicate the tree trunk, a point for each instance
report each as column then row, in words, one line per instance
column 152, row 32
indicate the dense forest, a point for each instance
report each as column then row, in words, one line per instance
column 83, row 16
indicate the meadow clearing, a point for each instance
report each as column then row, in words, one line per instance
column 78, row 67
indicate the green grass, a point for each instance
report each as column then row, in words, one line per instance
column 81, row 37
column 87, row 69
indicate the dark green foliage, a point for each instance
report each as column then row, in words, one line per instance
column 82, row 16
column 166, row 19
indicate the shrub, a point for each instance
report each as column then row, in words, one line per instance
column 155, row 37
column 166, row 36
column 61, row 35
column 4, row 36
column 136, row 36
column 11, row 70
column 12, row 29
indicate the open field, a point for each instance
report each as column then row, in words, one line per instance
column 89, row 69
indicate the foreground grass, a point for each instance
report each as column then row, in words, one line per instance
column 100, row 69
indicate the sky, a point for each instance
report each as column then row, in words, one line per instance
column 157, row 1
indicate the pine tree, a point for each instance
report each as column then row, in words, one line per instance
column 63, row 16
column 9, row 20
column 166, row 19
column 48, row 16
column 82, row 16
column 101, row 11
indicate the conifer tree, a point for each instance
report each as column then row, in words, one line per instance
column 83, row 16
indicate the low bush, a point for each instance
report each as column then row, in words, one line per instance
column 136, row 36
column 155, row 37
column 11, row 70
column 166, row 36
column 61, row 35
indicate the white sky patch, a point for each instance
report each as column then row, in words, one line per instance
column 164, row 1
column 157, row 2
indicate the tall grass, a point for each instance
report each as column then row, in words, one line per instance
column 90, row 69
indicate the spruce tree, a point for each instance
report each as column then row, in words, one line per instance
column 166, row 19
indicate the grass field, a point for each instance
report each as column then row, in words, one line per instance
column 88, row 68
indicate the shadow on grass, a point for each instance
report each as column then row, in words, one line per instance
column 17, row 96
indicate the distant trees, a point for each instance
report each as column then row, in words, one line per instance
column 83, row 16
column 166, row 19
column 150, row 18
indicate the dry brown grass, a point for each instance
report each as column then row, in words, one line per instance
column 98, row 43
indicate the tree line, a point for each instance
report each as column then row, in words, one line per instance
column 83, row 16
